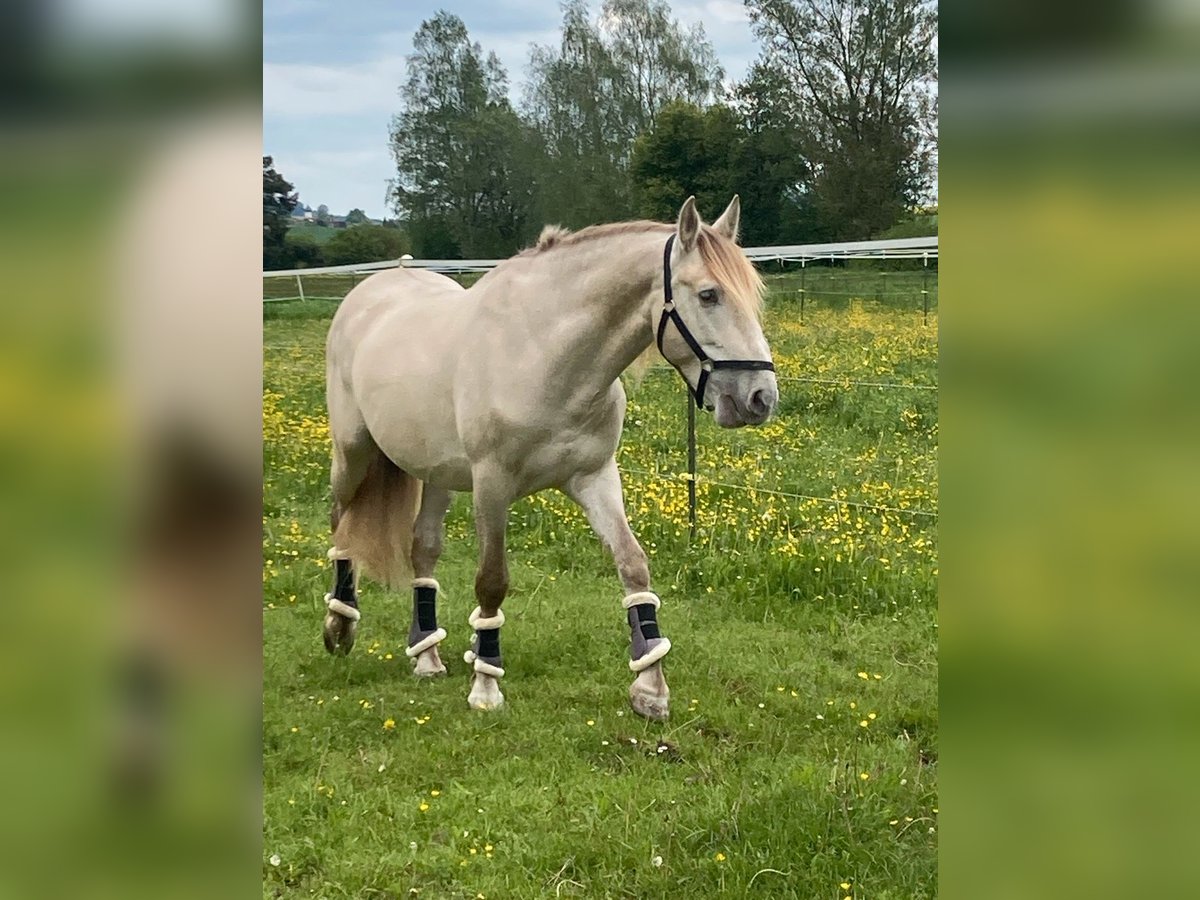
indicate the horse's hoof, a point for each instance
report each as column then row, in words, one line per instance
column 339, row 633
column 649, row 706
column 485, row 693
column 428, row 664
column 649, row 695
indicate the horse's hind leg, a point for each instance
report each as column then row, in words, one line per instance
column 424, row 634
column 599, row 493
column 351, row 461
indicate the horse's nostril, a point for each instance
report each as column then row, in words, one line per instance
column 759, row 403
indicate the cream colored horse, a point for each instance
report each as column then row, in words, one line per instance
column 512, row 387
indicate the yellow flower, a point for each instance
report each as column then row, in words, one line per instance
column 864, row 723
column 845, row 885
column 863, row 675
column 719, row 857
column 423, row 807
column 295, row 728
column 472, row 851
column 864, row 775
column 591, row 721
column 487, row 848
column 389, row 723
column 871, row 716
column 853, row 705
column 435, row 793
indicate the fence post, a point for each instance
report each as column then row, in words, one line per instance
column 802, row 292
column 691, row 465
column 300, row 286
column 925, row 288
column 879, row 289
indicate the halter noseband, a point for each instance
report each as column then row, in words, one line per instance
column 707, row 363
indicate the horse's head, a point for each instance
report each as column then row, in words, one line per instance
column 715, row 296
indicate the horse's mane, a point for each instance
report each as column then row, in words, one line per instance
column 725, row 261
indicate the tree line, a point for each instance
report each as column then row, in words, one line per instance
column 830, row 136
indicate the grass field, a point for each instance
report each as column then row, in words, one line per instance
column 801, row 755
column 319, row 233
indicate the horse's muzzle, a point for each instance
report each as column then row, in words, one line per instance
column 738, row 408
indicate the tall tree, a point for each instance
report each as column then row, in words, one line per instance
column 279, row 200
column 861, row 73
column 771, row 167
column 465, row 176
column 356, row 217
column 322, row 214
column 660, row 61
column 574, row 99
column 599, row 89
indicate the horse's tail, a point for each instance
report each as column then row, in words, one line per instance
column 376, row 526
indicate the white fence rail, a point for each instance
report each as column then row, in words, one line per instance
column 902, row 248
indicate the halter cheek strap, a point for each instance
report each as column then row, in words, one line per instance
column 707, row 364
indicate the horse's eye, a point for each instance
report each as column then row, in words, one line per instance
column 708, row 296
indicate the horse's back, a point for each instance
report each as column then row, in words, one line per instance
column 379, row 296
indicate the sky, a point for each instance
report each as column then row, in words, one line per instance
column 331, row 71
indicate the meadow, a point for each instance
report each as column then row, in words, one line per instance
column 800, row 759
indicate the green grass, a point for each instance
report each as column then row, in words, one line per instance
column 754, row 787
column 319, row 233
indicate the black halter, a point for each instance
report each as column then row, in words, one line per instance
column 707, row 363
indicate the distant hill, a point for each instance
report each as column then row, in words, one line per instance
column 319, row 233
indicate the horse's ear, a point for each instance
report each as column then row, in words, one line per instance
column 688, row 226
column 727, row 224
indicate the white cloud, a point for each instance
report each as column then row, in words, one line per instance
column 308, row 90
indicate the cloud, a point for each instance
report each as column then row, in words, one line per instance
column 311, row 89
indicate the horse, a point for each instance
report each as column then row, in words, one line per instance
column 512, row 386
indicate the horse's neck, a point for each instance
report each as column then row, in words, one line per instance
column 594, row 306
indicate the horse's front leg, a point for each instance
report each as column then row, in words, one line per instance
column 491, row 585
column 599, row 493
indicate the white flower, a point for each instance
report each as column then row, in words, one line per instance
column 412, row 845
column 656, row 861
column 274, row 860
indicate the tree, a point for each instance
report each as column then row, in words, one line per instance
column 689, row 151
column 322, row 214
column 366, row 243
column 464, row 160
column 574, row 99
column 599, row 89
column 861, row 74
column 658, row 60
column 771, row 166
column 278, row 202
column 302, row 251
column 356, row 217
